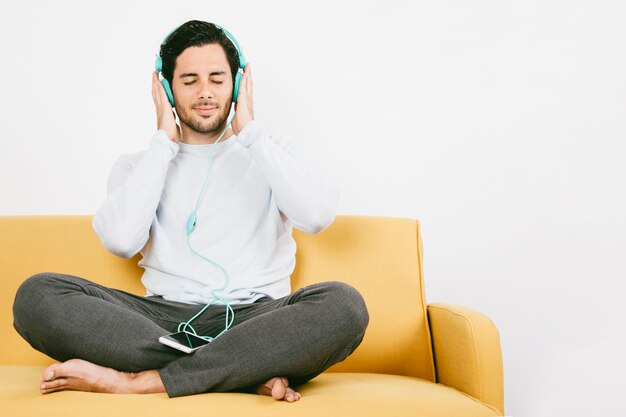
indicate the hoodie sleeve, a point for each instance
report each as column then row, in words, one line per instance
column 306, row 198
column 134, row 189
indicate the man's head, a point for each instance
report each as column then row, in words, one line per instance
column 200, row 63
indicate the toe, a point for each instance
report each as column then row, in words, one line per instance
column 52, row 386
column 271, row 388
column 278, row 389
column 49, row 373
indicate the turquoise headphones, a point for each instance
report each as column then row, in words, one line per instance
column 158, row 65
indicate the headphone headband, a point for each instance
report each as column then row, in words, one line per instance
column 242, row 59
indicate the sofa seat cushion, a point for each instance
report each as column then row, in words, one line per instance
column 330, row 394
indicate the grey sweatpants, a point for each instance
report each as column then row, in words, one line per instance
column 298, row 336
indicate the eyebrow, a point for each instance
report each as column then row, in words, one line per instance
column 193, row 74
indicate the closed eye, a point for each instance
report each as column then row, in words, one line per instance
column 191, row 82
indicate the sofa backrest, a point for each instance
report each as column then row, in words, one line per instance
column 379, row 256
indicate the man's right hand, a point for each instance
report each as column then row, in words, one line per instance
column 166, row 120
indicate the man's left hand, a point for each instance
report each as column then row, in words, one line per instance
column 244, row 111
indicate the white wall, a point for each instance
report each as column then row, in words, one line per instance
column 499, row 124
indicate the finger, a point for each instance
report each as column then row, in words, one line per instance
column 154, row 89
column 163, row 99
column 250, row 90
column 249, row 79
column 244, row 93
column 157, row 94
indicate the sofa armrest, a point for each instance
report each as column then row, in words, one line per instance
column 467, row 351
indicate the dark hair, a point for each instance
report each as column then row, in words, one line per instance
column 195, row 33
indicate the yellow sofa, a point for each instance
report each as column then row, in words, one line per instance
column 431, row 360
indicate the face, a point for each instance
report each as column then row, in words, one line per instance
column 202, row 85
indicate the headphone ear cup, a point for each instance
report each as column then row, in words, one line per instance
column 168, row 91
column 238, row 78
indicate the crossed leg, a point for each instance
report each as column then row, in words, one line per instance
column 80, row 375
column 280, row 341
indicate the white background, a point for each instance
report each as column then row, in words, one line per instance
column 498, row 124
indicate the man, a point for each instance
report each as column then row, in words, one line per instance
column 223, row 240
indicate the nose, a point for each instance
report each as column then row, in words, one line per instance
column 205, row 91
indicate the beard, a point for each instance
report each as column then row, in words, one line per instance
column 199, row 124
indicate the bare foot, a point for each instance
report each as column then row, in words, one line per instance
column 80, row 375
column 279, row 389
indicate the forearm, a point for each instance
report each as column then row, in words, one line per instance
column 123, row 221
column 308, row 199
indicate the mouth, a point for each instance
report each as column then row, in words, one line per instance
column 205, row 110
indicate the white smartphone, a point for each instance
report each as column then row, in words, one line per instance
column 184, row 341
